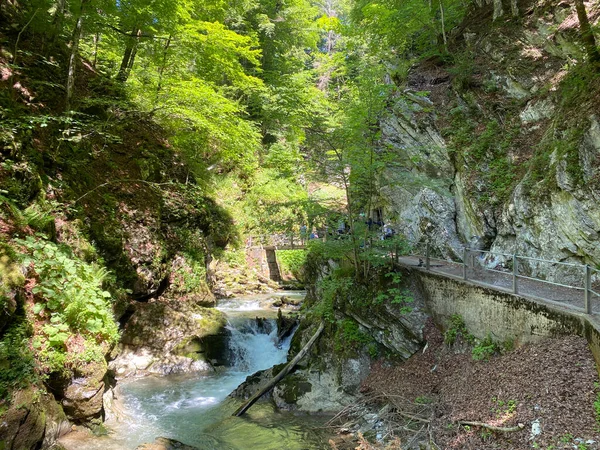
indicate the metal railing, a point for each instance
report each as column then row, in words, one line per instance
column 511, row 268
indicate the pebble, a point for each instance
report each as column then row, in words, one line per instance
column 536, row 429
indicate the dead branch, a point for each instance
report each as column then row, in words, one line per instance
column 242, row 409
column 493, row 427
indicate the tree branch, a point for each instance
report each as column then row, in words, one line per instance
column 133, row 35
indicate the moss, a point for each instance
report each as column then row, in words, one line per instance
column 211, row 321
column 293, row 387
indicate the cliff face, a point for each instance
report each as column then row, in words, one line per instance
column 500, row 149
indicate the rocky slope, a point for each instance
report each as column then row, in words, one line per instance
column 500, row 148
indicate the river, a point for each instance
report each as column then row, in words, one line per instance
column 195, row 409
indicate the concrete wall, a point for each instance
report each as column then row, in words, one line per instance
column 503, row 315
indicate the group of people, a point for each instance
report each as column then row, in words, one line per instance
column 387, row 231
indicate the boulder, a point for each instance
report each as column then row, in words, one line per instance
column 168, row 336
column 82, row 399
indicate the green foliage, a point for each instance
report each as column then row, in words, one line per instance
column 190, row 275
column 406, row 27
column 292, row 261
column 423, row 400
column 485, row 349
column 395, row 294
column 503, row 407
column 335, row 291
column 69, row 297
column 17, row 363
column 349, row 339
column 456, row 329
column 485, row 150
column 10, row 274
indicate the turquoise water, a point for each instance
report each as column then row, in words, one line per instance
column 195, row 409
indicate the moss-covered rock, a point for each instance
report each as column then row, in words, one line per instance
column 82, row 399
column 33, row 418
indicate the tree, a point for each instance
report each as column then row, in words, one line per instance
column 587, row 35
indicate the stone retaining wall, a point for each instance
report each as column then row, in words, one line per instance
column 503, row 315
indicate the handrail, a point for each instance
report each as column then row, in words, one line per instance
column 587, row 271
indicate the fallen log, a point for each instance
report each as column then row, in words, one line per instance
column 493, row 427
column 242, row 409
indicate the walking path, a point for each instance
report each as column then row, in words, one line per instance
column 572, row 298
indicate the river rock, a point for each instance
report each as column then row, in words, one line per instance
column 158, row 339
column 82, row 399
column 162, row 443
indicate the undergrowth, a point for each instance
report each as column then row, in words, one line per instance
column 70, row 305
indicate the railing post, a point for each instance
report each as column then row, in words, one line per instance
column 292, row 240
column 588, row 287
column 427, row 256
column 465, row 251
column 515, row 275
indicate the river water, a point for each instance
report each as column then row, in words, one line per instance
column 195, row 409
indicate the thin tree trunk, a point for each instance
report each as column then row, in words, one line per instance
column 514, row 7
column 587, row 35
column 443, row 26
column 57, row 20
column 498, row 9
column 95, row 54
column 74, row 52
column 287, row 369
column 133, row 53
column 162, row 68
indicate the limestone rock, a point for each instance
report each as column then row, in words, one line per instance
column 82, row 399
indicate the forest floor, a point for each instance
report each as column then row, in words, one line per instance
column 549, row 387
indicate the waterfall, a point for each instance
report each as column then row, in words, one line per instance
column 254, row 345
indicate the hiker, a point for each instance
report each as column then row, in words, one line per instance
column 388, row 232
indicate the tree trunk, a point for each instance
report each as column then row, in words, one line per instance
column 162, row 68
column 498, row 9
column 514, row 7
column 587, row 35
column 95, row 54
column 57, row 20
column 74, row 52
column 129, row 55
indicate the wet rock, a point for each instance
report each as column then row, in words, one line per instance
column 162, row 443
column 165, row 337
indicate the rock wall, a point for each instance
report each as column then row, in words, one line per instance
column 497, row 151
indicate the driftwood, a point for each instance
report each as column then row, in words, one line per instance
column 492, row 427
column 242, row 409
